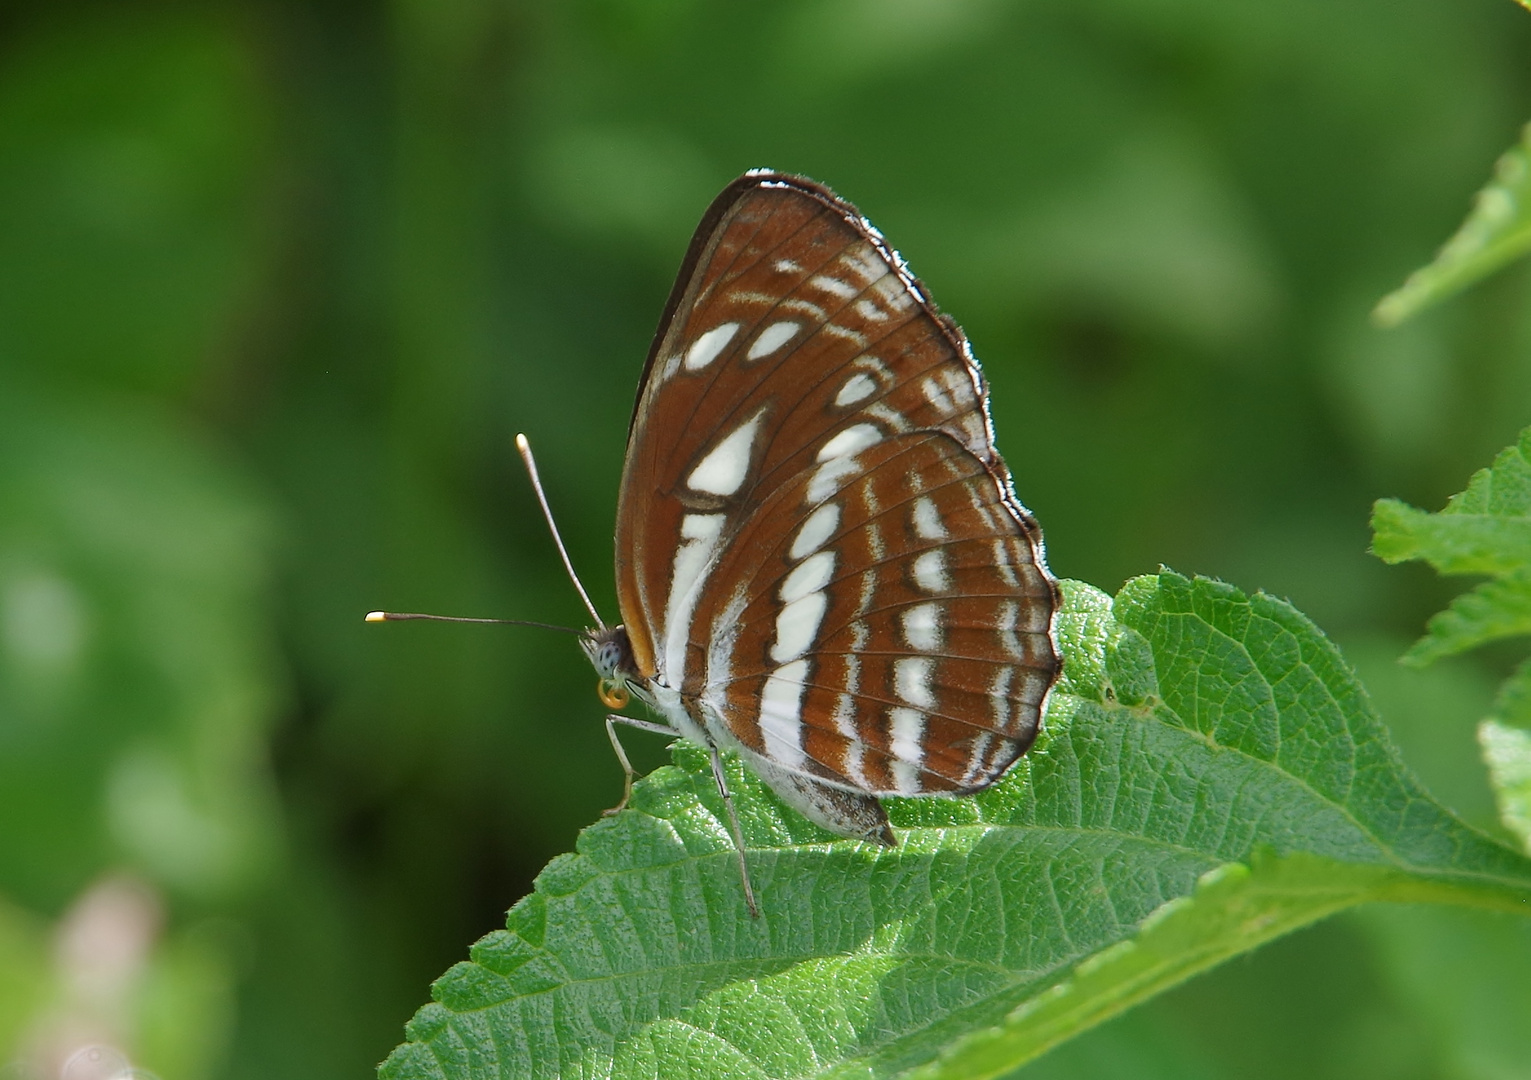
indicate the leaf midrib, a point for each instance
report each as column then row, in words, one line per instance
column 1015, row 979
column 786, row 959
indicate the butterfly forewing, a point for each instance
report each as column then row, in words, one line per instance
column 818, row 547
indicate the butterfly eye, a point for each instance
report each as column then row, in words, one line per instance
column 613, row 693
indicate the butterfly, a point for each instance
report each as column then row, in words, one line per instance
column 821, row 563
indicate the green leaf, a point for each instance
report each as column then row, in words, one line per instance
column 1232, row 909
column 1497, row 231
column 1196, row 727
column 1492, row 610
column 1507, row 752
column 1484, row 530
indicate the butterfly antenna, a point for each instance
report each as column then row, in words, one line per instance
column 525, row 448
column 405, row 616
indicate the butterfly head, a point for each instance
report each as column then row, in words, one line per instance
column 611, row 654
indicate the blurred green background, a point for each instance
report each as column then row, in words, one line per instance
column 280, row 279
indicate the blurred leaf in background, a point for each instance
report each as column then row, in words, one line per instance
column 1497, row 231
column 279, row 281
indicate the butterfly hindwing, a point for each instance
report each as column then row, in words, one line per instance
column 895, row 641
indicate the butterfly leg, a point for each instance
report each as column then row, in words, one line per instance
column 733, row 825
column 612, row 720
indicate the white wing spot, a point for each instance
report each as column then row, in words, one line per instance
column 891, row 417
column 864, row 261
column 700, row 526
column 816, row 531
column 1002, row 563
column 693, row 560
column 828, row 477
column 851, row 440
column 911, row 680
column 999, row 693
column 859, row 630
column 797, row 625
column 894, row 294
column 1001, row 748
column 864, row 605
column 922, row 627
column 1007, row 636
column 781, row 712
column 961, row 385
column 976, row 759
column 936, row 395
column 870, row 311
column 805, row 307
column 809, row 576
column 872, row 364
column 786, row 266
column 837, row 460
column 907, row 747
column 857, row 388
column 833, row 286
column 705, row 349
column 927, row 520
column 726, row 465
column 875, row 543
column 906, row 777
column 855, row 337
column 930, row 572
column 845, row 704
column 725, row 632
column 772, row 338
column 855, row 764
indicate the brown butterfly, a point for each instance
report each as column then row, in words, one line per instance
column 821, row 563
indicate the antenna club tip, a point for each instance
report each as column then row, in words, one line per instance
column 375, row 616
column 521, row 442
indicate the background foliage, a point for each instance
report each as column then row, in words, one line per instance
column 280, row 278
